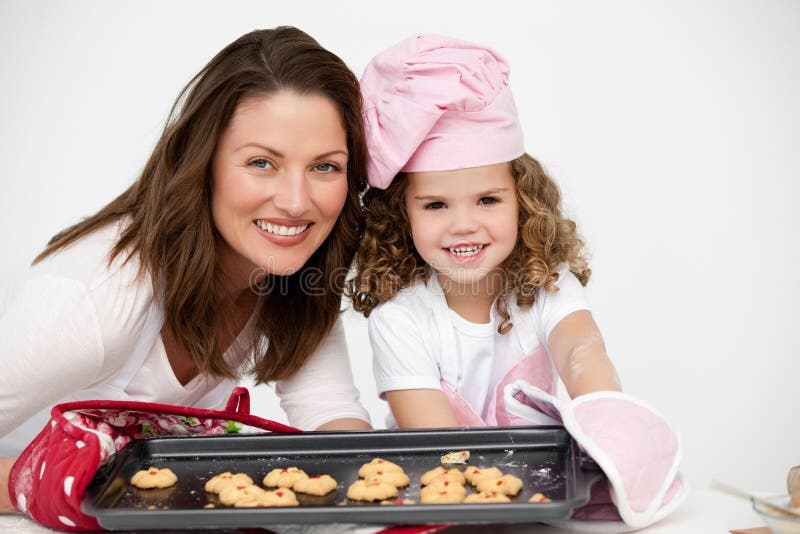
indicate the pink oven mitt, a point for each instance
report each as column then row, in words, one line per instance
column 631, row 442
column 49, row 479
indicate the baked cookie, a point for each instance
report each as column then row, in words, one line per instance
column 370, row 490
column 507, row 485
column 474, row 474
column 232, row 494
column 378, row 464
column 220, row 482
column 316, row 485
column 486, row 497
column 154, row 478
column 444, row 485
column 283, row 478
column 455, row 458
column 271, row 499
column 397, row 479
column 249, row 499
column 538, row 497
column 440, row 473
column 443, row 491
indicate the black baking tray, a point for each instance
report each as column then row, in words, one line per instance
column 546, row 459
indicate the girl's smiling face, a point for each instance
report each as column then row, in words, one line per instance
column 279, row 183
column 463, row 222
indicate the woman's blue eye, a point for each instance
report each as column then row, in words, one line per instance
column 327, row 167
column 260, row 163
column 487, row 200
column 434, row 205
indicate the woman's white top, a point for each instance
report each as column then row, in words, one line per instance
column 79, row 328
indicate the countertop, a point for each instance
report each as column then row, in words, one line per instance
column 704, row 512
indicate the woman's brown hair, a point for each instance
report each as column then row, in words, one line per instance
column 388, row 262
column 169, row 207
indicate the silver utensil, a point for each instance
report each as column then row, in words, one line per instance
column 730, row 490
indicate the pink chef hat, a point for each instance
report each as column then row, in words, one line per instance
column 434, row 103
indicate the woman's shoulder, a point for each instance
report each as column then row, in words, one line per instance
column 86, row 261
column 120, row 295
column 80, row 301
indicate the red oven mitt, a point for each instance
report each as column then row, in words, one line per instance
column 49, row 479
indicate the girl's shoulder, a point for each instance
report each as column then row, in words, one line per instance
column 414, row 302
column 550, row 307
column 567, row 285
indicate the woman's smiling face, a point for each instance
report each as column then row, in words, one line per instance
column 279, row 183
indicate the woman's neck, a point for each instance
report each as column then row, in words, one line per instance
column 238, row 311
column 238, row 276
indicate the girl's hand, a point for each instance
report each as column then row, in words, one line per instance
column 578, row 351
column 421, row 408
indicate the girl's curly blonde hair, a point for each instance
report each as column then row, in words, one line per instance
column 387, row 261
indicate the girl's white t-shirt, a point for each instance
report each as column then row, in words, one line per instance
column 75, row 321
column 406, row 341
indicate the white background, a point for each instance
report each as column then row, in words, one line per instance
column 673, row 129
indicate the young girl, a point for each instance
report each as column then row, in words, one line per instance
column 470, row 275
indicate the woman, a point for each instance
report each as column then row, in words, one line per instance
column 200, row 271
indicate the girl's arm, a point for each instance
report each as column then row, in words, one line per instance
column 421, row 408
column 406, row 372
column 579, row 354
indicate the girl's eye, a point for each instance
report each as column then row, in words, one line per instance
column 434, row 205
column 488, row 200
column 327, row 167
column 260, row 163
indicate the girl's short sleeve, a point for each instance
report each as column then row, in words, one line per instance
column 550, row 308
column 401, row 351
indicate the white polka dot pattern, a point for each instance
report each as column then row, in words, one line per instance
column 68, row 485
column 80, row 444
column 22, row 503
column 41, row 471
column 66, row 520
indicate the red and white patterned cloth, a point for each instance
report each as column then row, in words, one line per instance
column 49, row 479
